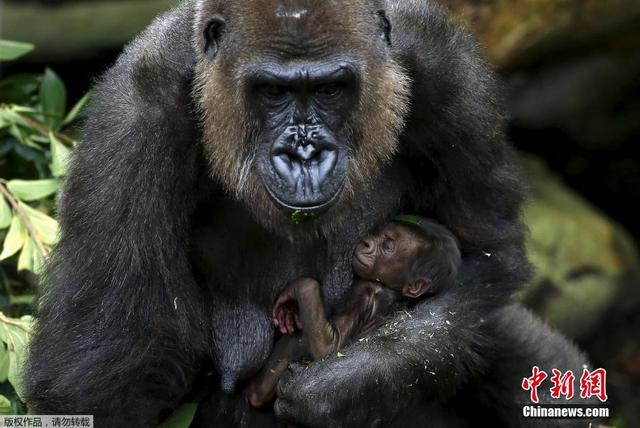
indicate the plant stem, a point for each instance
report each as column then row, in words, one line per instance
column 20, row 325
column 45, row 131
column 25, row 219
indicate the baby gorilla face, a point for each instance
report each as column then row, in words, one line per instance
column 387, row 255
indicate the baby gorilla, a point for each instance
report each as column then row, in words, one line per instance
column 405, row 260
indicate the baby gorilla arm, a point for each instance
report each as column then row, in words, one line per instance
column 301, row 306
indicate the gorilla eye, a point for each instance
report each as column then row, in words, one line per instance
column 212, row 35
column 329, row 89
column 273, row 91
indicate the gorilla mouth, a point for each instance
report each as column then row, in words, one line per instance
column 305, row 174
column 306, row 205
column 361, row 266
column 307, row 177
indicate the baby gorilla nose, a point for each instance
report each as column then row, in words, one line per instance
column 367, row 244
column 304, row 156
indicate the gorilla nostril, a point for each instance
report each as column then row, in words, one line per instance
column 368, row 247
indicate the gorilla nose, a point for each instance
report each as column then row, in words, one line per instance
column 367, row 244
column 304, row 142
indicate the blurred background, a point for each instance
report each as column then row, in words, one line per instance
column 571, row 71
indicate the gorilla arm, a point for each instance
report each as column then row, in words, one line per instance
column 415, row 358
column 463, row 174
column 455, row 343
column 119, row 290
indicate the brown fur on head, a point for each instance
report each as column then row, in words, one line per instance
column 286, row 31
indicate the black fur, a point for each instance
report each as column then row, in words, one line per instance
column 158, row 272
column 439, row 260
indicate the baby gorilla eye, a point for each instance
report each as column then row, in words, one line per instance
column 388, row 245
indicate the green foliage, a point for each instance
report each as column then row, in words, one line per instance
column 35, row 146
column 10, row 50
column 14, row 334
column 181, row 418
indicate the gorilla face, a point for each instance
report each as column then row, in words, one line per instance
column 303, row 142
column 301, row 102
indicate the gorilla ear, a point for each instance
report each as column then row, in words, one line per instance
column 385, row 25
column 417, row 288
column 212, row 34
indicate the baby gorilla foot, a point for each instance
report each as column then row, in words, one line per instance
column 285, row 315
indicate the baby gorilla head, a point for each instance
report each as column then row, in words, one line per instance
column 411, row 255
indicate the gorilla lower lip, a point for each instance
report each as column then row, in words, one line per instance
column 305, row 176
column 304, row 208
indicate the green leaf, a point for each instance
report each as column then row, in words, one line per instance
column 10, row 116
column 340, row 355
column 19, row 88
column 53, row 96
column 23, row 137
column 10, row 50
column 5, row 213
column 411, row 219
column 25, row 299
column 32, row 155
column 4, row 363
column 16, row 333
column 30, row 259
column 5, row 406
column 46, row 227
column 14, row 240
column 60, row 156
column 27, row 256
column 33, row 190
column 76, row 110
column 182, row 417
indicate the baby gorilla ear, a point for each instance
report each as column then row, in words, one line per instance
column 416, row 288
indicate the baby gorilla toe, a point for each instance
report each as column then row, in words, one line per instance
column 286, row 317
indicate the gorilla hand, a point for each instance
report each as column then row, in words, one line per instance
column 377, row 379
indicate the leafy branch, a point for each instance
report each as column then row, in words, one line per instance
column 25, row 220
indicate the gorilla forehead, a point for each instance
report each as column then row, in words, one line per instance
column 294, row 28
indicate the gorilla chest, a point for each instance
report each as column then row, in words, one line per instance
column 235, row 257
column 244, row 267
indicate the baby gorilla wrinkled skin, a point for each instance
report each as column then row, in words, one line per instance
column 393, row 266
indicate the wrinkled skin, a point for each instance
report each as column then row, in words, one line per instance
column 387, row 256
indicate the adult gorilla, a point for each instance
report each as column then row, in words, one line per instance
column 237, row 145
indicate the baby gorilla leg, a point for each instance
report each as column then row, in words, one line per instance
column 263, row 387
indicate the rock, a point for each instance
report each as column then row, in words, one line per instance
column 585, row 263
